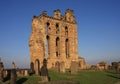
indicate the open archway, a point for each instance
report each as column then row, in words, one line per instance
column 32, row 66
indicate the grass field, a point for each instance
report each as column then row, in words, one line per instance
column 84, row 77
column 88, row 77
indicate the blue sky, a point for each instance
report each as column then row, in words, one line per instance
column 98, row 28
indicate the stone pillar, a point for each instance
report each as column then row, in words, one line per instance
column 37, row 64
column 13, row 74
column 62, row 47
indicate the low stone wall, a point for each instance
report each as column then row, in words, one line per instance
column 19, row 72
column 22, row 72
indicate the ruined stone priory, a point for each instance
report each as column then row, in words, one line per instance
column 54, row 38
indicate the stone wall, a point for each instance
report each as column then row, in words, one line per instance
column 102, row 66
column 19, row 72
column 54, row 38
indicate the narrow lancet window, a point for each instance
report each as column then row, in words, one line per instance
column 67, row 48
column 57, row 47
column 47, row 46
column 47, row 26
column 57, row 28
column 66, row 31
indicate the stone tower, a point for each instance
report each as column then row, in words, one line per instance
column 54, row 38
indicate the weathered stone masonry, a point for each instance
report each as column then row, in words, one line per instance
column 54, row 38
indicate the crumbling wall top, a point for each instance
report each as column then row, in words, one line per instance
column 68, row 16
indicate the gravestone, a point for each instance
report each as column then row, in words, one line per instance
column 114, row 65
column 13, row 65
column 5, row 73
column 62, row 67
column 57, row 66
column 26, row 73
column 74, row 67
column 118, row 67
column 1, row 71
column 13, row 74
column 44, row 71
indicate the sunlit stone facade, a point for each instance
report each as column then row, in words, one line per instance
column 54, row 38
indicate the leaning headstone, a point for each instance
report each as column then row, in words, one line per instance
column 62, row 67
column 13, row 74
column 44, row 71
column 74, row 67
column 1, row 71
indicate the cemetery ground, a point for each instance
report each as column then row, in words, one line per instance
column 83, row 77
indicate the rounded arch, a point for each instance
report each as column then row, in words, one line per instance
column 57, row 41
column 32, row 66
column 66, row 31
column 57, row 38
column 47, row 45
column 57, row 46
column 47, row 23
column 66, row 28
column 47, row 26
column 47, row 37
column 57, row 64
column 67, row 48
column 67, row 40
column 57, row 25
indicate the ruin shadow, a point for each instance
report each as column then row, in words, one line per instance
column 21, row 80
column 6, row 78
column 64, row 82
column 113, row 76
column 112, row 72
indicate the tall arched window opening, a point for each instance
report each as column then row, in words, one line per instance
column 67, row 48
column 47, row 26
column 57, row 28
column 66, row 31
column 47, row 46
column 57, row 47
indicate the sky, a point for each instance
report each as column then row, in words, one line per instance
column 98, row 28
